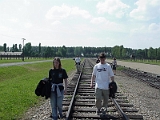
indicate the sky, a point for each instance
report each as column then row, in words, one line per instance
column 88, row 23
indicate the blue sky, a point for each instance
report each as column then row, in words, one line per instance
column 95, row 23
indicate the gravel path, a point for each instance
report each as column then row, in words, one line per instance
column 155, row 69
column 145, row 98
column 22, row 63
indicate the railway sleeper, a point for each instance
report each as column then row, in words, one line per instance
column 83, row 116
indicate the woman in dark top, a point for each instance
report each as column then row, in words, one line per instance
column 57, row 74
column 114, row 65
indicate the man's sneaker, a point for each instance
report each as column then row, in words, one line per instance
column 103, row 110
column 98, row 112
column 61, row 116
column 51, row 115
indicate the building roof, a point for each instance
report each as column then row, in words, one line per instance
column 10, row 53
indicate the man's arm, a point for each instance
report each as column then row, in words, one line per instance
column 92, row 79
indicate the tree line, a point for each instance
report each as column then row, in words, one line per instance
column 118, row 52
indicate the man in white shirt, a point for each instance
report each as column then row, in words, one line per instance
column 78, row 62
column 102, row 73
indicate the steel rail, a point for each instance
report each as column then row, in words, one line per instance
column 124, row 116
column 81, row 112
column 68, row 115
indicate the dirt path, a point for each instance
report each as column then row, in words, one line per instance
column 155, row 69
column 21, row 63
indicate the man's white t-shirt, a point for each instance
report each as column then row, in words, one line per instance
column 77, row 60
column 103, row 72
column 114, row 62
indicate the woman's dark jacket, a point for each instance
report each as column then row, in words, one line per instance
column 43, row 88
column 112, row 89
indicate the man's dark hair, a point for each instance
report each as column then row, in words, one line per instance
column 102, row 55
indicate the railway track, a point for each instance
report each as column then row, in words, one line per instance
column 149, row 78
column 79, row 103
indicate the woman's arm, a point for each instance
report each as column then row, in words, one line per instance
column 50, row 74
column 65, row 86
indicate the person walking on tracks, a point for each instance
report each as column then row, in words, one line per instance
column 114, row 65
column 97, row 61
column 102, row 73
column 57, row 74
column 77, row 63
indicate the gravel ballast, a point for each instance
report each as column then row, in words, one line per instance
column 144, row 97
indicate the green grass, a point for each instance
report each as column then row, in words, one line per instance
column 17, row 86
column 120, row 68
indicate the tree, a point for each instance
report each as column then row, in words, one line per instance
column 78, row 51
column 20, row 47
column 15, row 48
column 39, row 49
column 116, row 51
column 12, row 48
column 151, row 53
column 158, row 53
column 48, row 52
column 64, row 51
column 140, row 53
column 120, row 51
column 145, row 53
column 1, row 48
column 5, row 47
column 70, row 52
column 124, row 53
column 28, row 49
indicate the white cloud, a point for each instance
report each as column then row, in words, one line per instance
column 56, row 23
column 139, row 30
column 77, row 11
column 60, row 12
column 154, row 27
column 4, row 29
column 26, row 2
column 28, row 25
column 112, row 7
column 14, row 20
column 146, row 10
column 91, row 0
column 106, row 24
column 83, row 29
column 98, row 20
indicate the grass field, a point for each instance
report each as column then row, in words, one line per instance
column 17, row 86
